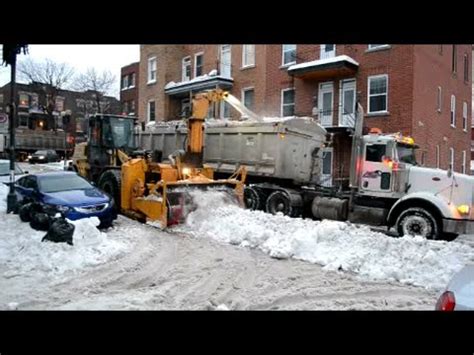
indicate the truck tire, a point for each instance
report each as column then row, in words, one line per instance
column 418, row 221
column 279, row 201
column 111, row 182
column 252, row 198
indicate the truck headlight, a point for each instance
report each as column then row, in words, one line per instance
column 463, row 209
column 41, row 156
column 186, row 171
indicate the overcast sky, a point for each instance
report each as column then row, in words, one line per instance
column 81, row 57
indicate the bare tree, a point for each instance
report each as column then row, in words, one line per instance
column 50, row 77
column 98, row 83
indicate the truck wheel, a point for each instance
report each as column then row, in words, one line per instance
column 253, row 199
column 418, row 221
column 279, row 201
column 111, row 181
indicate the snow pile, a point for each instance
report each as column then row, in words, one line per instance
column 212, row 74
column 314, row 63
column 335, row 245
column 3, row 197
column 21, row 249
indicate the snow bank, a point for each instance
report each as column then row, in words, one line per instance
column 3, row 197
column 335, row 245
column 21, row 249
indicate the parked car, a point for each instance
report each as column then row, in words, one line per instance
column 459, row 295
column 44, row 156
column 5, row 171
column 70, row 194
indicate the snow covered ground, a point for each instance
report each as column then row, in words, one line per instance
column 222, row 258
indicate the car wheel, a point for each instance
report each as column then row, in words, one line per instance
column 279, row 201
column 418, row 221
column 253, row 199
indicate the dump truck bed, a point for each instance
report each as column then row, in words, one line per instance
column 282, row 148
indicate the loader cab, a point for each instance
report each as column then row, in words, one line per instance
column 386, row 160
column 106, row 134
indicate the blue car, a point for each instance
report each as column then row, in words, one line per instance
column 71, row 194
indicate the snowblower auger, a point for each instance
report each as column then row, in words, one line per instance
column 169, row 200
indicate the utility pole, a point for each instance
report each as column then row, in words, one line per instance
column 10, row 52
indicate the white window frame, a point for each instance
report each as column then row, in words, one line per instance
column 186, row 60
column 149, row 70
column 243, row 91
column 452, row 116
column 148, row 110
column 463, row 166
column 437, row 157
column 368, row 94
column 125, row 82
column 131, row 84
column 195, row 62
column 283, row 51
column 223, row 104
column 322, row 52
column 451, row 159
column 281, row 101
column 464, row 116
column 439, row 99
column 245, row 48
column 371, row 47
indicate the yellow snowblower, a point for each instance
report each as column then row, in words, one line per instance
column 145, row 188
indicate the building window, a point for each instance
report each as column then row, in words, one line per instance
column 376, row 46
column 34, row 101
column 248, row 96
column 152, row 70
column 463, row 167
column 24, row 100
column 288, row 54
column 466, row 68
column 327, row 51
column 225, row 60
column 132, row 107
column 224, row 110
column 378, row 93
column 437, row 156
column 151, row 111
column 248, row 55
column 131, row 80
column 451, row 159
column 453, row 111
column 453, row 61
column 186, row 69
column 439, row 99
column 124, row 82
column 185, row 107
column 125, row 108
column 464, row 116
column 198, row 60
column 288, row 102
column 59, row 104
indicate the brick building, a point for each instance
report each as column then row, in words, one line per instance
column 32, row 101
column 129, row 89
column 424, row 91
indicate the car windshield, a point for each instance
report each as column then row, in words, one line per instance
column 406, row 154
column 5, row 169
column 56, row 183
column 41, row 152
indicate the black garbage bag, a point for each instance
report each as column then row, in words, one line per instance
column 49, row 210
column 40, row 221
column 61, row 231
column 24, row 212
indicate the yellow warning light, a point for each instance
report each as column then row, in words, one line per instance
column 463, row 209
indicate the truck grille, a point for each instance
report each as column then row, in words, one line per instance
column 92, row 208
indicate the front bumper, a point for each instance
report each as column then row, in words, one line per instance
column 458, row 226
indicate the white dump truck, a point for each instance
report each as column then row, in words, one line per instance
column 283, row 159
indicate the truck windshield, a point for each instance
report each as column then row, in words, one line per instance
column 406, row 154
column 122, row 132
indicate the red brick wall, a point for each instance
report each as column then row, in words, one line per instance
column 130, row 94
column 430, row 127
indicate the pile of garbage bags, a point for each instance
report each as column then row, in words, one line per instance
column 47, row 218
